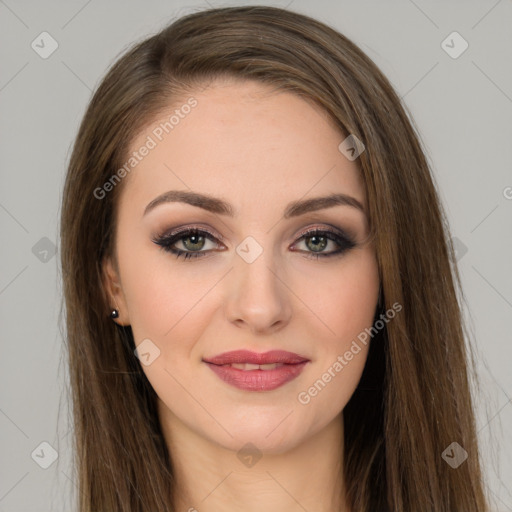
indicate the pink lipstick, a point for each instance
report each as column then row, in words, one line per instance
column 253, row 371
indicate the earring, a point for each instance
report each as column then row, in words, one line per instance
column 114, row 314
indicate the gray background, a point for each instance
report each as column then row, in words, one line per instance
column 462, row 107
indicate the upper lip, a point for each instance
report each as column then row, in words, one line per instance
column 247, row 356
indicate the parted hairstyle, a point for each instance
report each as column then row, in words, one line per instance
column 414, row 398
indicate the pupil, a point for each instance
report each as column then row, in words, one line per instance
column 196, row 238
column 317, row 244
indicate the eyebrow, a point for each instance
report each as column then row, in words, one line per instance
column 219, row 206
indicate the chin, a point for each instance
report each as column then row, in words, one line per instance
column 257, row 443
column 271, row 433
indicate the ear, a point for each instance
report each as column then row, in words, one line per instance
column 114, row 292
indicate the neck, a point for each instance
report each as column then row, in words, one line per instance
column 210, row 477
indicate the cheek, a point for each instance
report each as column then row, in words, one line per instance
column 161, row 300
column 347, row 308
column 345, row 298
column 327, row 392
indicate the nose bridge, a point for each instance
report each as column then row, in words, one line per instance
column 258, row 296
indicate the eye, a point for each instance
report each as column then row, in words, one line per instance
column 194, row 240
column 318, row 239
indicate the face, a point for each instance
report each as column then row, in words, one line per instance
column 198, row 279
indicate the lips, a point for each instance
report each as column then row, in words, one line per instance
column 253, row 371
column 247, row 357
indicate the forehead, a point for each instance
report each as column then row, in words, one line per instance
column 245, row 141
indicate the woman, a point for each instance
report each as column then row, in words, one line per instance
column 261, row 305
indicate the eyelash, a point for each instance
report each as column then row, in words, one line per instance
column 166, row 242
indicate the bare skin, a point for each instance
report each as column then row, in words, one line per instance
column 258, row 150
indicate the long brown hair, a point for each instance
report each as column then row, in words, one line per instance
column 414, row 397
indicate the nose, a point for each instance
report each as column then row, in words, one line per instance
column 258, row 297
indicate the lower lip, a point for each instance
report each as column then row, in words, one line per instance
column 258, row 380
